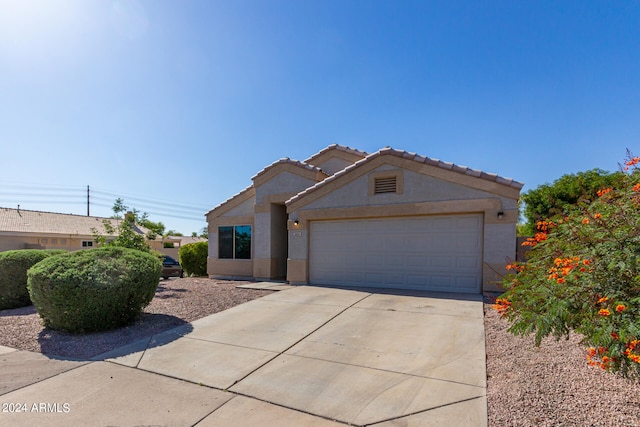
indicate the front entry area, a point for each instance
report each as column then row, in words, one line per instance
column 435, row 253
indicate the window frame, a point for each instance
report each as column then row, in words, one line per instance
column 232, row 247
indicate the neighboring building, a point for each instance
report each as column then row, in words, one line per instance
column 25, row 229
column 388, row 219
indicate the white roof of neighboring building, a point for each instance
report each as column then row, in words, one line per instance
column 38, row 222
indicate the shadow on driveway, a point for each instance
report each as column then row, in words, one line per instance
column 66, row 346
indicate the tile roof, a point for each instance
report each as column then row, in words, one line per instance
column 414, row 157
column 337, row 147
column 284, row 160
column 38, row 222
column 249, row 188
column 183, row 240
column 289, row 161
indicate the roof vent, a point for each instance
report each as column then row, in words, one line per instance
column 385, row 185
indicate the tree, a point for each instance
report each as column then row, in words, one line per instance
column 548, row 200
column 155, row 228
column 119, row 208
column 583, row 274
column 125, row 231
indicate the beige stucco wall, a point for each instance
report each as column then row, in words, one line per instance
column 243, row 209
column 285, row 182
column 270, row 233
column 45, row 241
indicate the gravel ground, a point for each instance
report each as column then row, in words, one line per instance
column 177, row 301
column 550, row 385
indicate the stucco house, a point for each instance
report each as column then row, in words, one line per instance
column 27, row 229
column 389, row 219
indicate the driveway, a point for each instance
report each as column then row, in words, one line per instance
column 303, row 356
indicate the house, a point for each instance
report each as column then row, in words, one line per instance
column 26, row 229
column 388, row 219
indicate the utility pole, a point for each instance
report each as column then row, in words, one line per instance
column 88, row 201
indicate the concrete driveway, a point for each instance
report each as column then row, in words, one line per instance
column 304, row 356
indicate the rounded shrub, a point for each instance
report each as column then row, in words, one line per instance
column 93, row 290
column 13, row 275
column 193, row 258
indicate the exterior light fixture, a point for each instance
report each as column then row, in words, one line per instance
column 296, row 223
column 500, row 215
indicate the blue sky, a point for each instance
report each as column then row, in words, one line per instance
column 174, row 105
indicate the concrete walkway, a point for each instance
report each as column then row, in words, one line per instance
column 307, row 356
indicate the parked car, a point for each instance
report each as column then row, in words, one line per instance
column 171, row 268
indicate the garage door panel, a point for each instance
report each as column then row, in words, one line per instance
column 416, row 281
column 431, row 252
column 467, row 262
column 441, row 262
column 372, row 278
column 397, row 260
column 374, row 260
column 416, row 260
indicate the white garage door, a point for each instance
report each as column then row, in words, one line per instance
column 441, row 253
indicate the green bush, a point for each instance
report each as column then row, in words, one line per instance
column 13, row 275
column 193, row 258
column 583, row 274
column 93, row 290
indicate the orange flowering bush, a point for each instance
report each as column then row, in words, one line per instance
column 583, row 274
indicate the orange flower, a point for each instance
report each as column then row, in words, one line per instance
column 604, row 312
column 513, row 266
column 631, row 346
column 502, row 306
column 603, row 191
column 532, row 241
column 615, row 336
column 603, row 299
column 586, row 262
column 597, row 216
column 620, row 308
column 636, row 188
column 633, row 161
column 561, row 280
column 585, row 220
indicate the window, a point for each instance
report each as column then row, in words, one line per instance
column 234, row 242
column 87, row 244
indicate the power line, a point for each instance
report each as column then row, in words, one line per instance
column 55, row 194
column 155, row 205
column 147, row 200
